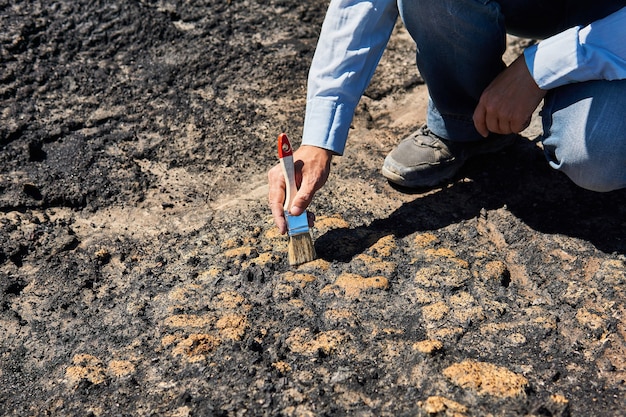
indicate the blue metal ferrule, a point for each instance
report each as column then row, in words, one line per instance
column 297, row 225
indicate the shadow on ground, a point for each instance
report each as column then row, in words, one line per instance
column 518, row 179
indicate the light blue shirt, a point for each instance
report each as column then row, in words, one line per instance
column 355, row 33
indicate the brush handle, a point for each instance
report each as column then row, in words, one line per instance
column 285, row 154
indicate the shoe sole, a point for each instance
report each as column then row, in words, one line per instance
column 442, row 174
column 425, row 180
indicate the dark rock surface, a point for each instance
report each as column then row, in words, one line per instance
column 140, row 273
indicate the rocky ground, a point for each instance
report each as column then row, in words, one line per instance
column 140, row 273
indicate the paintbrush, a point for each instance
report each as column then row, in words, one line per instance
column 301, row 247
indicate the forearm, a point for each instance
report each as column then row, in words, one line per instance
column 353, row 38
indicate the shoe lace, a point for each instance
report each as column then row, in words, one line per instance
column 433, row 140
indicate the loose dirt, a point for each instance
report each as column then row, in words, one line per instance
column 140, row 273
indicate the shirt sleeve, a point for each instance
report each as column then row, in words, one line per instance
column 594, row 52
column 352, row 40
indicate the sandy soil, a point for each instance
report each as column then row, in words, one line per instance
column 140, row 273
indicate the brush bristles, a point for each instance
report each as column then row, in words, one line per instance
column 301, row 249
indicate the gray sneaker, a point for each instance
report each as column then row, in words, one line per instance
column 423, row 159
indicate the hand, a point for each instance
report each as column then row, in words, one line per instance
column 508, row 103
column 312, row 166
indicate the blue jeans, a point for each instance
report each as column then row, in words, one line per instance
column 460, row 44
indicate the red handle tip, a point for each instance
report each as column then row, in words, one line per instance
column 284, row 147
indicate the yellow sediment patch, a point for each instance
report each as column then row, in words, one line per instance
column 464, row 307
column 445, row 333
column 196, row 346
column 425, row 276
column 239, row 242
column 189, row 320
column 282, row 367
column 545, row 322
column 299, row 278
column 232, row 300
column 273, row 233
column 241, row 251
column 447, row 253
column 183, row 293
column 375, row 265
column 559, row 399
column 302, row 341
column 296, row 303
column 348, row 398
column 392, row 330
column 462, row 300
column 436, row 276
column 102, row 253
column 262, row 260
column 120, row 368
column 315, row 265
column 231, row 243
column 331, row 222
column 283, row 291
column 86, row 367
column 424, row 297
column 301, row 410
column 211, row 273
column 376, row 331
column 340, row 316
column 438, row 404
column 493, row 271
column 226, row 321
column 563, row 256
column 184, row 411
column 435, row 311
column 169, row 339
column 424, row 240
column 428, row 346
column 385, row 246
column 353, row 284
column 232, row 326
column 516, row 338
column 486, row 378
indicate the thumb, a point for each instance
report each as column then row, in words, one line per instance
column 301, row 201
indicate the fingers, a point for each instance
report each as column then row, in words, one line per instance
column 495, row 121
column 489, row 116
column 312, row 167
column 480, row 121
column 507, row 104
column 303, row 198
column 277, row 197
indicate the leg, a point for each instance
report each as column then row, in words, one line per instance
column 540, row 19
column 459, row 51
column 460, row 44
column 585, row 133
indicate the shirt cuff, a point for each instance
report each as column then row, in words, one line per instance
column 327, row 123
column 552, row 61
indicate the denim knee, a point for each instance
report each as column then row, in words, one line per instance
column 585, row 133
column 596, row 170
column 459, row 52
